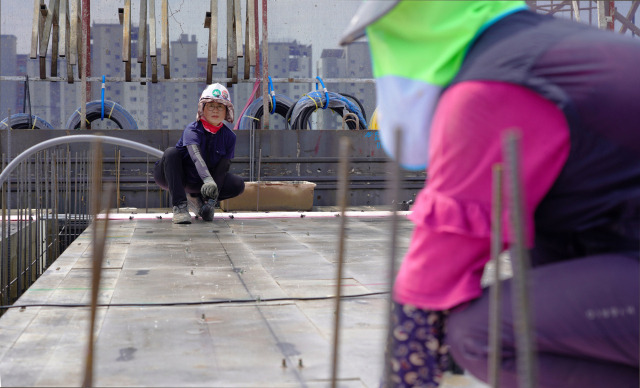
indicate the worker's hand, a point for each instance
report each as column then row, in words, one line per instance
column 210, row 190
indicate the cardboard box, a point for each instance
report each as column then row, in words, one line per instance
column 273, row 196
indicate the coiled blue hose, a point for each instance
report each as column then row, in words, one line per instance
column 253, row 115
column 113, row 111
column 298, row 115
column 24, row 121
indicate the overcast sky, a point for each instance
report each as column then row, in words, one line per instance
column 317, row 22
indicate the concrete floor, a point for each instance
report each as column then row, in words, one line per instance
column 238, row 302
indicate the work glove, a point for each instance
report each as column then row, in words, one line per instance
column 209, row 189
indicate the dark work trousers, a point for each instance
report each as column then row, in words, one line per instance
column 169, row 175
column 585, row 315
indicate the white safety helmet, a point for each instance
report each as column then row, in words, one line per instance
column 215, row 93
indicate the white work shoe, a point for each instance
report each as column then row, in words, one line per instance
column 181, row 214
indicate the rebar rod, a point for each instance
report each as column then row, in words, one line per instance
column 495, row 301
column 75, row 190
column 117, row 180
column 146, row 188
column 343, row 193
column 526, row 362
column 6, row 260
column 19, row 251
column 67, row 197
column 54, row 197
column 258, row 188
column 265, row 65
column 47, row 204
column 31, row 273
column 98, row 243
column 393, row 190
column 38, row 211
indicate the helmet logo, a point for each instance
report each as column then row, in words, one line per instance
column 216, row 93
column 225, row 95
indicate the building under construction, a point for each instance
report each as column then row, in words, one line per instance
column 289, row 285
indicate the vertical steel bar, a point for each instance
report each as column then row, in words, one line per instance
column 45, row 33
column 67, row 198
column 232, row 56
column 31, row 274
column 393, row 190
column 237, row 22
column 576, row 10
column 54, row 196
column 64, row 32
column 152, row 41
column 5, row 263
column 83, row 64
column 55, row 41
column 117, row 180
column 19, row 251
column 249, row 40
column 258, row 189
column 146, row 188
column 142, row 39
column 165, row 60
column 96, row 194
column 86, row 49
column 0, row 51
column 67, row 43
column 611, row 20
column 212, row 52
column 47, row 200
column 602, row 14
column 252, row 153
column 495, row 306
column 76, row 209
column 343, row 192
column 73, row 39
column 37, row 211
column 35, row 29
column 8, row 231
column 265, row 66
column 126, row 40
column 256, row 38
column 526, row 362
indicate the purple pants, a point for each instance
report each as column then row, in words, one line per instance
column 169, row 175
column 585, row 314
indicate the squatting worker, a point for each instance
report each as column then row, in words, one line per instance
column 455, row 75
column 199, row 163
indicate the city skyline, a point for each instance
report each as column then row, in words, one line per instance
column 154, row 106
column 302, row 20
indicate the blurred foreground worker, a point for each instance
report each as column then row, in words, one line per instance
column 455, row 75
column 199, row 163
